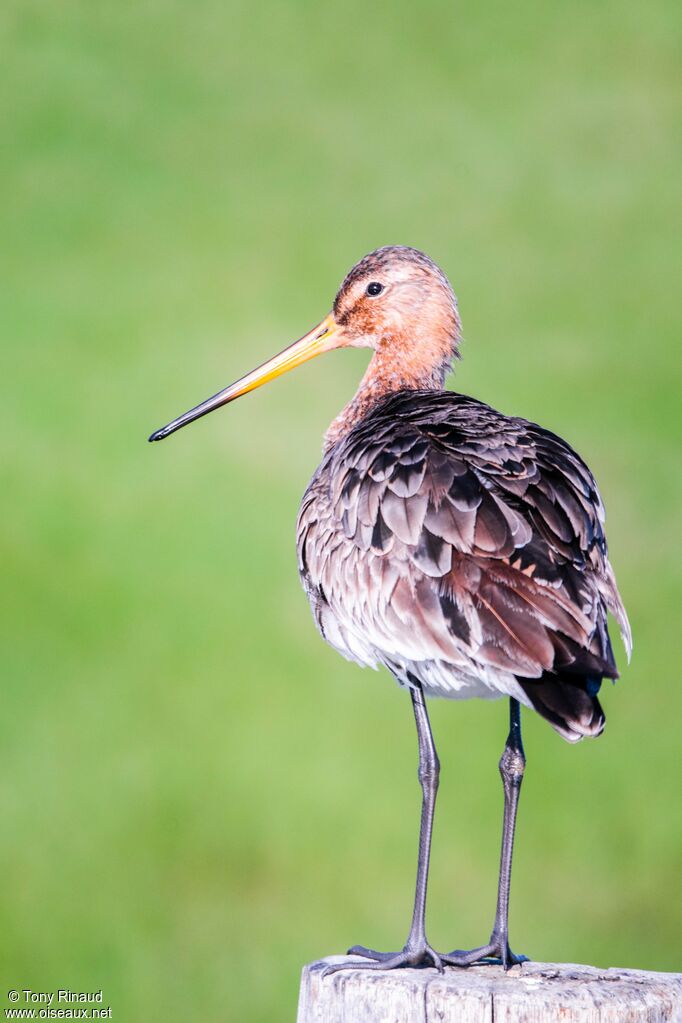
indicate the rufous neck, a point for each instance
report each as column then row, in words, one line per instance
column 385, row 375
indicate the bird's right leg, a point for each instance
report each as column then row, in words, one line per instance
column 512, row 766
column 417, row 951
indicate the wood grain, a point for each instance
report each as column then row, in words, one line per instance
column 529, row 993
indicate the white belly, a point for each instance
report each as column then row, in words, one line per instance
column 453, row 679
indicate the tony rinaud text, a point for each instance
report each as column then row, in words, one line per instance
column 61, row 995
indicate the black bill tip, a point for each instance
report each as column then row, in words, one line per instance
column 159, row 434
column 187, row 418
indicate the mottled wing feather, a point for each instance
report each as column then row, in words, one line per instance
column 463, row 537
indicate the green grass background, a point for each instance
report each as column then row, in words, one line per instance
column 197, row 796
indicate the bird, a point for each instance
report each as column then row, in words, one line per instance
column 460, row 548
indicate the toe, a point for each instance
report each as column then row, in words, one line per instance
column 419, row 956
column 459, row 957
column 430, row 957
column 370, row 953
column 510, row 959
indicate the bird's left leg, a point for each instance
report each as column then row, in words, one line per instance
column 417, row 951
column 512, row 766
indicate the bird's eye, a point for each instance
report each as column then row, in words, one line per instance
column 374, row 288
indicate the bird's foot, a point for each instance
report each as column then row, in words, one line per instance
column 496, row 951
column 418, row 954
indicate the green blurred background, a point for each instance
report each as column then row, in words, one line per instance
column 197, row 795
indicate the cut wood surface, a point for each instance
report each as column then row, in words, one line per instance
column 529, row 993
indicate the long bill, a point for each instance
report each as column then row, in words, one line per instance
column 322, row 338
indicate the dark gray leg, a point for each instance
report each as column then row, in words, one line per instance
column 512, row 766
column 417, row 951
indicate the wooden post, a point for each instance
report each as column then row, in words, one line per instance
column 529, row 993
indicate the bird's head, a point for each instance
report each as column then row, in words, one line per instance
column 396, row 301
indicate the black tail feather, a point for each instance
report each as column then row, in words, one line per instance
column 568, row 702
